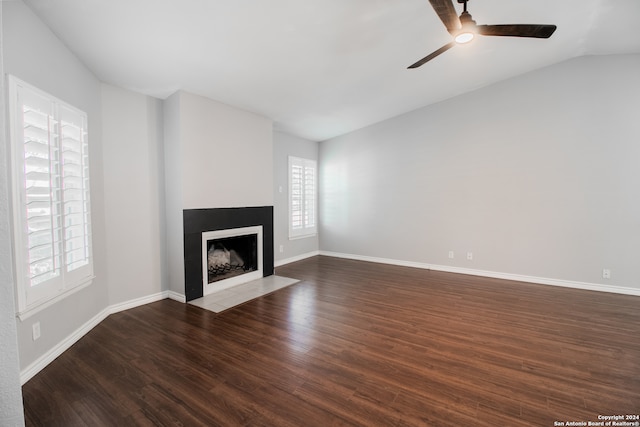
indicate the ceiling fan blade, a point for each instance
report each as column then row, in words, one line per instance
column 447, row 14
column 432, row 55
column 517, row 30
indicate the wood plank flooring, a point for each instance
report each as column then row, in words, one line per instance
column 355, row 344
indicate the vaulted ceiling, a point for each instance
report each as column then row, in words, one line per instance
column 321, row 68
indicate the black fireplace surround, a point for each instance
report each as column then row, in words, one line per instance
column 197, row 221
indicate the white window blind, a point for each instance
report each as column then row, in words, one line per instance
column 51, row 209
column 302, row 197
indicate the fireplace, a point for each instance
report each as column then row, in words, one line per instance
column 230, row 257
column 199, row 221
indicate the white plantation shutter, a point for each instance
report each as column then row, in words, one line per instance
column 302, row 197
column 51, row 211
column 75, row 184
column 40, row 208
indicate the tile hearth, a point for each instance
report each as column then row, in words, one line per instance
column 227, row 298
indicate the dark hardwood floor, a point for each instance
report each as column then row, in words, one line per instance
column 355, row 343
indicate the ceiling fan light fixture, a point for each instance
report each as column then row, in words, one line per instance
column 468, row 28
column 464, row 37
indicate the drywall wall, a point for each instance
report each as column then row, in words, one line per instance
column 173, row 194
column 535, row 176
column 34, row 54
column 226, row 155
column 11, row 410
column 285, row 145
column 216, row 156
column 133, row 193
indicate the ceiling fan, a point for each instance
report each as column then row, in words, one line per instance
column 464, row 28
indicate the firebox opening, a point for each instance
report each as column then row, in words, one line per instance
column 231, row 256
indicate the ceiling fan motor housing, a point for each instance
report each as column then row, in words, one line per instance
column 466, row 19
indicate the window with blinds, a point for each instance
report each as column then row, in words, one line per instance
column 302, row 197
column 51, row 210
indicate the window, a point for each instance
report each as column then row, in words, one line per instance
column 50, row 182
column 302, row 197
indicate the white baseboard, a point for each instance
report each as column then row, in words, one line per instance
column 27, row 373
column 30, row 371
column 176, row 296
column 493, row 274
column 296, row 258
column 378, row 260
column 138, row 302
column 35, row 367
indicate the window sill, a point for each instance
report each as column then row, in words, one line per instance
column 303, row 236
column 41, row 305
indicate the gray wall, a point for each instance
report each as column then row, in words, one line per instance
column 216, row 156
column 33, row 54
column 127, row 182
column 133, row 194
column 285, row 145
column 11, row 411
column 226, row 155
column 173, row 194
column 537, row 176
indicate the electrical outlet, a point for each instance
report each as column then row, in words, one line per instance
column 606, row 273
column 450, row 254
column 281, row 248
column 36, row 330
column 469, row 256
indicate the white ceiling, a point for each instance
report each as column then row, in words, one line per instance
column 321, row 68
